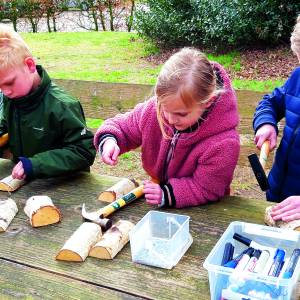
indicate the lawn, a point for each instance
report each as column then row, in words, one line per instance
column 113, row 57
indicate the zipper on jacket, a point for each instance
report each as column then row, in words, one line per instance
column 170, row 154
column 19, row 130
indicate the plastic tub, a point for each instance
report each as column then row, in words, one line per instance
column 160, row 239
column 226, row 283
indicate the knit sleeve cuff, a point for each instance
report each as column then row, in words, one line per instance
column 27, row 166
column 103, row 139
column 168, row 196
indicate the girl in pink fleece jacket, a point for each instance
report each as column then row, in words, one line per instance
column 187, row 132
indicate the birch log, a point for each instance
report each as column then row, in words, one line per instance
column 112, row 241
column 294, row 225
column 77, row 247
column 9, row 184
column 118, row 190
column 8, row 210
column 41, row 211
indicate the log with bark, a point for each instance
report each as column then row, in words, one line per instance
column 9, row 184
column 41, row 211
column 118, row 190
column 112, row 241
column 294, row 225
column 77, row 247
column 8, row 210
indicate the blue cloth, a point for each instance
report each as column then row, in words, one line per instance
column 27, row 166
column 284, row 177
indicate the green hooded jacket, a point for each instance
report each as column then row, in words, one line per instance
column 48, row 128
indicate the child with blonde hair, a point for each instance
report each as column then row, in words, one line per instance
column 284, row 177
column 46, row 127
column 187, row 133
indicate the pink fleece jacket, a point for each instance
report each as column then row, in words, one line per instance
column 204, row 160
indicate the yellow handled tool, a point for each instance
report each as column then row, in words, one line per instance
column 3, row 139
column 117, row 204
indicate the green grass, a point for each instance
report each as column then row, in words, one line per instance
column 93, row 123
column 113, row 57
column 256, row 85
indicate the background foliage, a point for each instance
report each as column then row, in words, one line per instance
column 217, row 24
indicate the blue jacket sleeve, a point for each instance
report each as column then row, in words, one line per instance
column 271, row 109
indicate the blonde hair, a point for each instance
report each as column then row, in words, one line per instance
column 188, row 74
column 13, row 49
column 295, row 38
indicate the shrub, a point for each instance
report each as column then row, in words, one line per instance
column 218, row 24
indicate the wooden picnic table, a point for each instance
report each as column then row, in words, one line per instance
column 28, row 268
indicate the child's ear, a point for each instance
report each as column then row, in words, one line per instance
column 30, row 63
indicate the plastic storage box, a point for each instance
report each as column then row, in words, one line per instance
column 226, row 283
column 160, row 239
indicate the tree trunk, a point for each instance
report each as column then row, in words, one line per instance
column 129, row 22
column 48, row 22
column 111, row 16
column 54, row 23
column 94, row 16
column 102, row 20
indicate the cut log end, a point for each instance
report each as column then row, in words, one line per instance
column 44, row 216
column 68, row 255
column 100, row 252
column 107, row 196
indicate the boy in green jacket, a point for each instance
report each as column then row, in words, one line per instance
column 46, row 126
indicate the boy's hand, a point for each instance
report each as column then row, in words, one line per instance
column 287, row 210
column 266, row 132
column 18, row 171
column 110, row 152
column 153, row 192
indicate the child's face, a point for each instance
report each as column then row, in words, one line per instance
column 17, row 82
column 179, row 115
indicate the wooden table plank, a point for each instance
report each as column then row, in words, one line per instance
column 22, row 282
column 187, row 280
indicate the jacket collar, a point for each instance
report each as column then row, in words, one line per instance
column 33, row 99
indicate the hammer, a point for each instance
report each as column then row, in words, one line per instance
column 258, row 165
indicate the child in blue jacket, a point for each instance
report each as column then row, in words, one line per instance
column 284, row 177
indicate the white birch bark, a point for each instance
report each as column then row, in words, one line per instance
column 118, row 190
column 112, row 241
column 41, row 211
column 9, row 184
column 77, row 247
column 8, row 210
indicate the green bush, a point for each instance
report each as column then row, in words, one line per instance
column 217, row 24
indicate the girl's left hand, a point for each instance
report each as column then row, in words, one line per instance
column 18, row 171
column 287, row 210
column 153, row 192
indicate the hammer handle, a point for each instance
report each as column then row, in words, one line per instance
column 264, row 153
column 112, row 207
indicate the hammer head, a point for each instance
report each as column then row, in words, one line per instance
column 259, row 172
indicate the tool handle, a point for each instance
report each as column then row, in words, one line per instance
column 3, row 139
column 264, row 153
column 112, row 207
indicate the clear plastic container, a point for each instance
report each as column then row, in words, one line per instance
column 226, row 283
column 160, row 239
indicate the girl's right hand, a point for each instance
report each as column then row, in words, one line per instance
column 110, row 152
column 266, row 132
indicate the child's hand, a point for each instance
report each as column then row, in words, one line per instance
column 18, row 171
column 153, row 192
column 266, row 132
column 287, row 210
column 110, row 152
